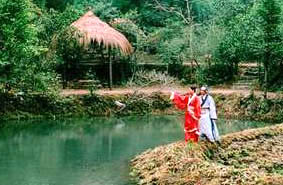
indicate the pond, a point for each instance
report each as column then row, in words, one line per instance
column 86, row 151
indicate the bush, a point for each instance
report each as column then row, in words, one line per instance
column 147, row 78
column 215, row 74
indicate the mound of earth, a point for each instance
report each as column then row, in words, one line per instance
column 249, row 157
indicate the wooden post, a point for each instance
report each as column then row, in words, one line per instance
column 64, row 75
column 110, row 70
column 122, row 70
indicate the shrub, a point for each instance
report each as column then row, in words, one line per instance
column 147, row 78
column 215, row 74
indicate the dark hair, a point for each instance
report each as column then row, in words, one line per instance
column 194, row 88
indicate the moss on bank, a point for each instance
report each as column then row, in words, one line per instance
column 233, row 106
column 248, row 157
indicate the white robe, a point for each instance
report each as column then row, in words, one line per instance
column 207, row 124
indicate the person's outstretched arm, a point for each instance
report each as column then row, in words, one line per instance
column 179, row 101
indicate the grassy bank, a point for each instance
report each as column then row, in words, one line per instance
column 247, row 157
column 233, row 106
column 45, row 106
column 250, row 107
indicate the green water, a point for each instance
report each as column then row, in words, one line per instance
column 85, row 151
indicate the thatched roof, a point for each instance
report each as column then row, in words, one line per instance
column 92, row 29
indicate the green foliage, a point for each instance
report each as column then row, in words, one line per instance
column 17, row 32
column 271, row 50
column 40, row 3
column 68, row 47
column 254, row 36
column 234, row 48
column 126, row 25
column 214, row 34
column 55, row 33
column 152, row 17
column 169, row 43
column 104, row 9
column 214, row 74
column 94, row 82
column 52, row 22
column 23, row 63
column 171, row 52
column 127, row 5
column 226, row 10
column 56, row 4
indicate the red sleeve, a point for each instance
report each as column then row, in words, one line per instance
column 180, row 101
column 197, row 108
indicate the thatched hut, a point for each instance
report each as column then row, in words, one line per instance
column 92, row 30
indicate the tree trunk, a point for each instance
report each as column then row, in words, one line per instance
column 167, row 68
column 259, row 72
column 265, row 80
column 110, row 71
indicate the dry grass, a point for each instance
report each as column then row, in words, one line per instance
column 144, row 78
column 92, row 29
column 248, row 157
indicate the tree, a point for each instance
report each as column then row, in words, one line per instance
column 271, row 50
column 254, row 36
column 17, row 32
column 22, row 61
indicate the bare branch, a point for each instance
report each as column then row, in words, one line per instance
column 189, row 11
column 179, row 13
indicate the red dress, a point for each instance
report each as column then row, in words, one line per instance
column 191, row 105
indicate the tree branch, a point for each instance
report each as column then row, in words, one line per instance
column 179, row 13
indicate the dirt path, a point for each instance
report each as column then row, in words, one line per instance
column 164, row 90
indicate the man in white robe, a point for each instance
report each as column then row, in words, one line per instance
column 208, row 128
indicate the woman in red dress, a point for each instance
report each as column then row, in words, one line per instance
column 191, row 104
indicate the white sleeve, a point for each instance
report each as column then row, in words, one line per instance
column 212, row 108
column 172, row 95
